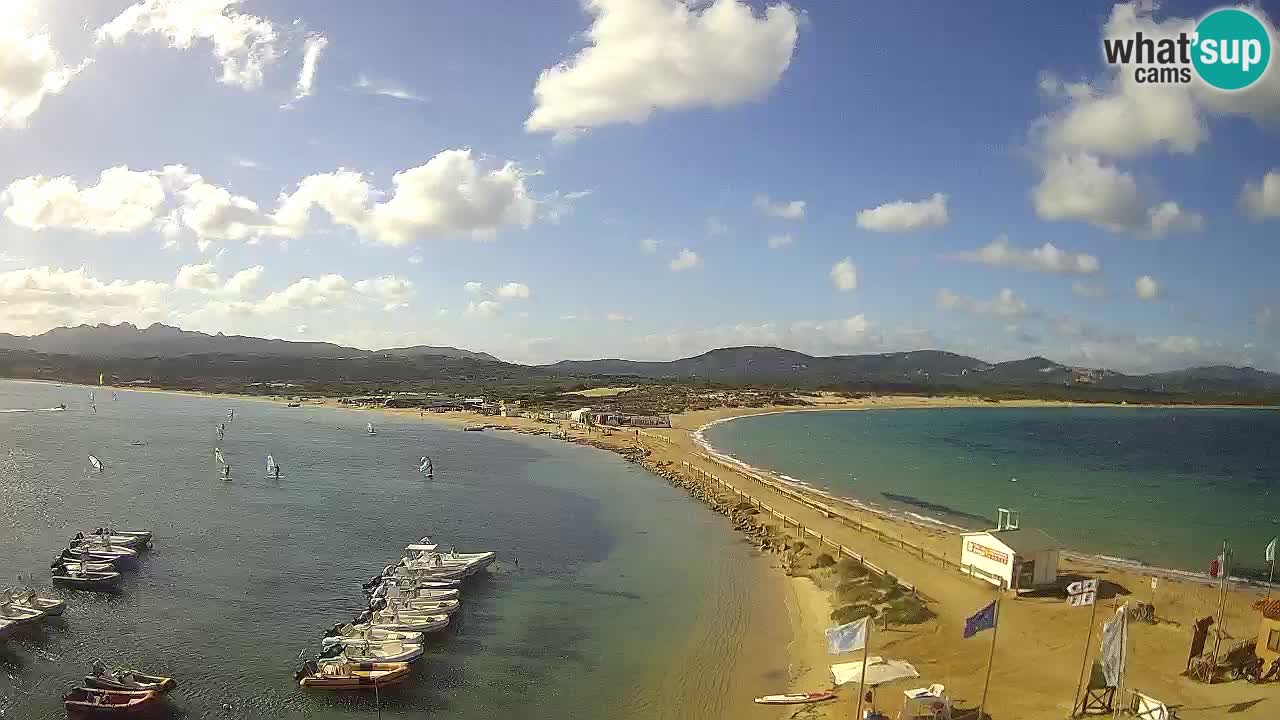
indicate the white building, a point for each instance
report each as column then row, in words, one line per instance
column 1010, row 557
column 580, row 415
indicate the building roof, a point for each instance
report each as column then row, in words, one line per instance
column 1023, row 541
column 1270, row 608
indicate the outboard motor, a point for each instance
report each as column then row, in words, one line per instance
column 364, row 616
column 373, row 583
column 334, row 631
column 378, row 604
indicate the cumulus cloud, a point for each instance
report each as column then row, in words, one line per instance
column 905, row 215
column 686, row 260
column 202, row 277
column 33, row 300
column 1081, row 187
column 650, row 245
column 1261, row 198
column 311, row 49
column 31, row 69
column 385, row 88
column 1088, row 290
column 243, row 45
column 484, row 309
column 392, row 291
column 121, row 201
column 780, row 241
column 514, row 290
column 1005, row 304
column 1146, row 288
column 617, row 317
column 1169, row 217
column 643, row 56
column 844, row 275
column 787, row 210
column 473, row 287
column 1046, row 258
column 1119, row 117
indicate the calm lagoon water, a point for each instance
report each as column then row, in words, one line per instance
column 1164, row 486
column 628, row 600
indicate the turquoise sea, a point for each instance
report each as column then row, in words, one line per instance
column 629, row 600
column 1162, row 486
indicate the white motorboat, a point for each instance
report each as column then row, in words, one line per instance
column 420, row 575
column 415, row 593
column 396, row 620
column 32, row 601
column 366, row 632
column 143, row 535
column 416, row 606
column 118, row 555
column 472, row 561
column 362, row 651
column 133, row 541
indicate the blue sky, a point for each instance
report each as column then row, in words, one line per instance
column 560, row 157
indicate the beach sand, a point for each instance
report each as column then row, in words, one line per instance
column 1041, row 646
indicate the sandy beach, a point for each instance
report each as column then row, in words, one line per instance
column 1041, row 640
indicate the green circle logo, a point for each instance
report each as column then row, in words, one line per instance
column 1232, row 49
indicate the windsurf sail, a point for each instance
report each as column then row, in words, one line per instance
column 424, row 465
column 92, row 405
column 271, row 465
column 231, row 415
column 370, row 426
column 96, row 463
column 217, row 455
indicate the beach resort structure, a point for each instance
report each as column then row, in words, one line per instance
column 1268, row 647
column 1010, row 557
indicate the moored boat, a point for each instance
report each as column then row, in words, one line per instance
column 13, row 612
column 795, row 698
column 345, row 675
column 415, row 593
column 93, row 702
column 403, row 621
column 366, row 651
column 369, row 632
column 416, row 606
column 132, row 680
column 111, row 540
column 82, row 580
column 45, row 605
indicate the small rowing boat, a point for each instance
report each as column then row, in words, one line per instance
column 92, row 702
column 47, row 606
column 130, row 680
column 346, row 675
column 795, row 698
column 82, row 580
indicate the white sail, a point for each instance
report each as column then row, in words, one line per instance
column 217, row 455
column 370, row 426
column 231, row 415
column 271, row 464
column 424, row 465
column 96, row 463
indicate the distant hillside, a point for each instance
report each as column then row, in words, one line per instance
column 128, row 341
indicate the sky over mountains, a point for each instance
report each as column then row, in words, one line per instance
column 636, row 178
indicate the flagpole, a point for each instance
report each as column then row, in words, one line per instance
column 866, row 643
column 1271, row 556
column 1084, row 663
column 995, row 629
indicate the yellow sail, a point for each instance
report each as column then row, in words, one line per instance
column 99, row 378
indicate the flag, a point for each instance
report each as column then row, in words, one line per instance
column 848, row 637
column 1113, row 637
column 984, row 619
column 1215, row 566
column 1271, row 550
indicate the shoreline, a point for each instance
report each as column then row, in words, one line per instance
column 1043, row 680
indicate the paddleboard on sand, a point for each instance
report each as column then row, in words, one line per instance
column 796, row 699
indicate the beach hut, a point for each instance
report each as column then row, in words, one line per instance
column 1268, row 647
column 1010, row 557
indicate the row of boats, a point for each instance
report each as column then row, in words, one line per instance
column 407, row 601
column 94, row 561
column 116, row 693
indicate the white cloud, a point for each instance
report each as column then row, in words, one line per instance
column 1046, row 258
column 484, row 308
column 203, row 278
column 793, row 210
column 648, row 55
column 514, row 290
column 1261, row 198
column 650, row 245
column 568, row 317
column 1081, row 187
column 780, row 241
column 1005, row 304
column 905, row 216
column 392, row 291
column 121, row 201
column 844, row 275
column 1169, row 217
column 30, row 70
column 1119, row 117
column 617, row 317
column 385, row 88
column 244, row 281
column 33, row 300
column 715, row 227
column 311, row 49
column 246, row 163
column 1146, row 288
column 1088, row 290
column 686, row 260
column 244, row 45
column 473, row 287
column 307, row 293
column 302, row 329
column 414, row 259
column 450, row 194
column 213, row 212
column 1176, row 344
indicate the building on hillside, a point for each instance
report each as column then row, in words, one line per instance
column 624, row 420
column 1010, row 557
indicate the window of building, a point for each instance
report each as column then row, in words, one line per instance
column 1273, row 641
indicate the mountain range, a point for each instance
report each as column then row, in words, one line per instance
column 169, row 351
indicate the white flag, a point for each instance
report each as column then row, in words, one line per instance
column 1271, row 550
column 848, row 637
column 1113, row 652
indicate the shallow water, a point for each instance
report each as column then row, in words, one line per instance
column 1165, row 486
column 621, row 584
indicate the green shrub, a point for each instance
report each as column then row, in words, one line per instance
column 857, row 591
column 907, row 610
column 824, row 560
column 850, row 568
column 849, row 613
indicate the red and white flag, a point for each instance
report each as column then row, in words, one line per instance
column 1215, row 567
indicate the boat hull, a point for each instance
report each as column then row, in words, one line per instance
column 89, row 581
column 140, row 682
column 356, row 676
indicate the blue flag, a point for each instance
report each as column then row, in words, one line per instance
column 848, row 637
column 984, row 619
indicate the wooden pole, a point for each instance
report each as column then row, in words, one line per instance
column 866, row 644
column 995, row 628
column 1084, row 663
